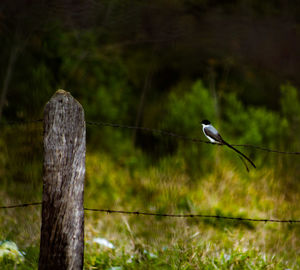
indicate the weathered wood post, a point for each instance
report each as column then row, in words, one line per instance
column 62, row 232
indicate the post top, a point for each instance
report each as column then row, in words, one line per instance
column 63, row 97
column 61, row 92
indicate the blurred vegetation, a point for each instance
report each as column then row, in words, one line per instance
column 166, row 65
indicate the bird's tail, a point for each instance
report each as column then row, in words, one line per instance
column 240, row 153
column 244, row 162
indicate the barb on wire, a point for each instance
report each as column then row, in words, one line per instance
column 167, row 133
column 138, row 213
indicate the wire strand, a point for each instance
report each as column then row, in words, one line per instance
column 191, row 216
column 164, row 132
column 138, row 213
column 186, row 138
column 266, row 149
column 159, row 131
column 20, row 205
column 20, row 122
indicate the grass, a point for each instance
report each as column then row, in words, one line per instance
column 196, row 256
column 173, row 243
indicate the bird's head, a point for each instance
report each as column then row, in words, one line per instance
column 205, row 122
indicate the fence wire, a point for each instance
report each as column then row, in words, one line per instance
column 20, row 122
column 139, row 213
column 186, row 138
column 157, row 131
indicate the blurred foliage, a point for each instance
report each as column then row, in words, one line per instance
column 290, row 108
column 187, row 106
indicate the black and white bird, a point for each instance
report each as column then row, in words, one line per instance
column 213, row 135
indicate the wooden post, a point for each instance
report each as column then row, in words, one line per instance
column 62, row 232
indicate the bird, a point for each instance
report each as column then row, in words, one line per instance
column 214, row 136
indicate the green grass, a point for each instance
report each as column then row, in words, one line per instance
column 171, row 243
column 193, row 255
column 196, row 256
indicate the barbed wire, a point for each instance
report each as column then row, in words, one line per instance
column 266, row 149
column 152, row 130
column 20, row 205
column 186, row 138
column 20, row 122
column 139, row 213
column 159, row 131
column 191, row 216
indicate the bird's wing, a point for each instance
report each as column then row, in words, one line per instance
column 213, row 133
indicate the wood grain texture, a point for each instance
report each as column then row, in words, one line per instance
column 62, row 232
